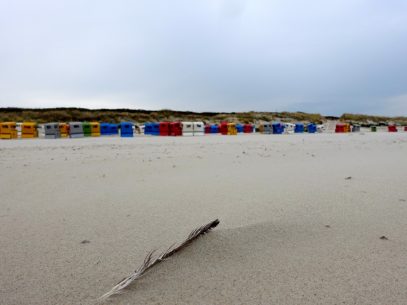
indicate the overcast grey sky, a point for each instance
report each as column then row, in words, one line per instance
column 205, row 55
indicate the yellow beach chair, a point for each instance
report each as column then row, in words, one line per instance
column 8, row 130
column 95, row 129
column 29, row 130
column 232, row 130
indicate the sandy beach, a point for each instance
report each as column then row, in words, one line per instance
column 301, row 218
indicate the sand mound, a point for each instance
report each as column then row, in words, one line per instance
column 277, row 264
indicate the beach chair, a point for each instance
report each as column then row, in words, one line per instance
column 278, row 128
column 175, row 129
column 126, row 130
column 299, row 128
column 392, row 128
column 87, row 129
column 95, row 129
column 63, row 130
column 164, row 129
column 312, row 128
column 232, row 131
column 199, row 128
column 187, row 129
column 76, row 130
column 51, row 131
column 8, row 130
column 29, row 130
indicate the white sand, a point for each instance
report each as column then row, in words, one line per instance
column 273, row 194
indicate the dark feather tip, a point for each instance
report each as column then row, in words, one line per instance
column 214, row 223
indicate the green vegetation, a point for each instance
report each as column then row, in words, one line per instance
column 141, row 116
column 369, row 120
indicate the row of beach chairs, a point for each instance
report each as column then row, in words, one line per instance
column 13, row 130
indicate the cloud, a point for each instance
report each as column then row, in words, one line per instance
column 331, row 57
column 232, row 8
column 395, row 105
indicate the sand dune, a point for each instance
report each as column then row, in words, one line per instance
column 293, row 229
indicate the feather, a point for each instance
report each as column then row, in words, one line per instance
column 151, row 259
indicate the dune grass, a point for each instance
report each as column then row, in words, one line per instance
column 141, row 116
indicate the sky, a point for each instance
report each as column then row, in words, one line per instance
column 319, row 56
